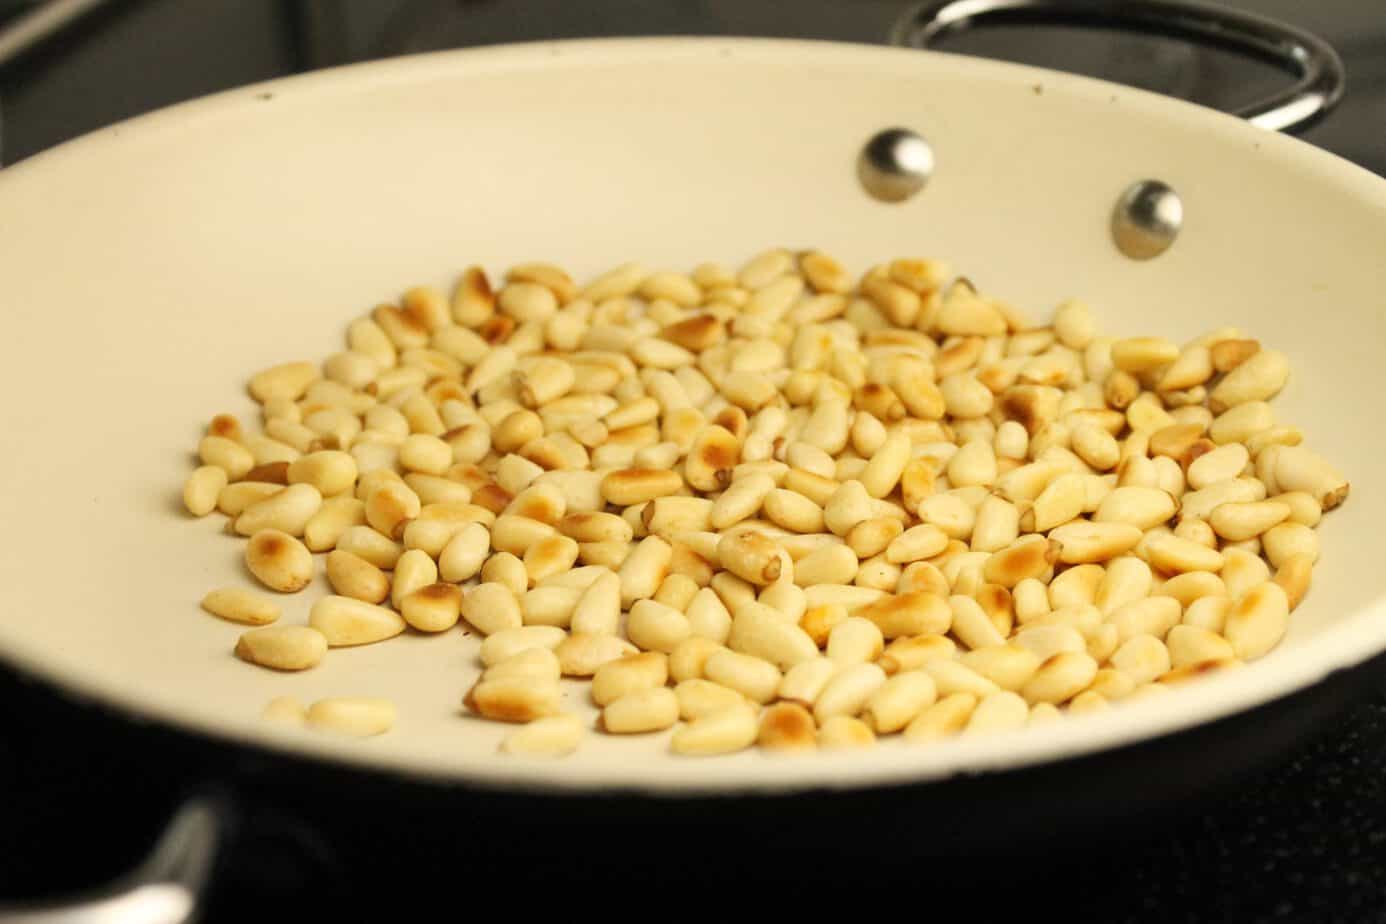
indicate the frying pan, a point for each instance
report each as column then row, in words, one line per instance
column 155, row 263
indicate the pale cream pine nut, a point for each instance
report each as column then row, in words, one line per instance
column 1227, row 461
column 842, row 732
column 1082, row 542
column 1175, row 440
column 997, row 712
column 829, row 565
column 1191, row 645
column 1288, row 540
column 1301, row 469
column 1063, row 500
column 644, row 569
column 285, row 710
column 1238, row 424
column 765, row 633
column 1073, row 324
column 1124, row 581
column 1169, row 477
column 793, row 511
column 539, row 665
column 1030, row 599
column 492, row 607
column 670, row 517
column 1172, row 554
column 1258, row 378
column 1045, row 641
column 279, row 561
column 506, row 643
column 708, row 617
column 954, row 677
column 964, row 397
column 268, row 451
column 897, row 701
column 919, row 613
column 656, row 627
column 433, row 608
column 732, row 590
column 971, row 625
column 948, row 716
column 677, row 590
column 515, row 534
column 354, row 716
column 1304, row 508
column 1029, row 557
column 949, row 513
column 1142, row 658
column 1078, row 586
column 581, row 655
column 1151, row 616
column 283, row 648
column 203, row 487
column 689, row 656
column 750, row 676
column 1207, row 613
column 1060, row 677
column 1256, row 623
column 1008, row 665
column 415, row 569
column 334, row 517
column 1193, row 367
column 549, row 606
column 915, row 651
column 227, row 455
column 1111, row 684
column 345, row 621
column 628, row 674
column 916, row 544
column 550, row 737
column 1266, row 464
column 1102, row 642
column 1241, row 521
column 353, row 576
column 855, row 641
column 1201, row 504
column 1191, row 586
column 698, row 697
column 973, row 464
column 724, row 731
column 848, row 691
column 1143, row 354
column 867, row 538
column 289, row 380
column 507, row 570
column 1141, row 507
column 787, row 598
column 1096, row 447
column 1294, row 575
column 433, row 489
column 243, row 606
column 465, row 553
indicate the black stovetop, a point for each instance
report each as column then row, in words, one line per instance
column 1305, row 841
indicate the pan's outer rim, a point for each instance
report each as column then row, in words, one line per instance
column 1356, row 639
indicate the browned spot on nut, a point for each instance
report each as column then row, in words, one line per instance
column 696, row 333
column 493, row 497
column 225, row 425
column 1174, row 441
column 447, row 390
column 958, row 356
column 496, row 329
column 545, row 454
column 787, row 727
column 1199, row 447
column 1229, row 354
column 711, row 459
column 880, row 401
column 818, row 621
column 392, row 318
column 916, row 613
column 439, row 593
column 270, row 472
column 683, row 560
column 541, row 506
column 733, row 420
column 1030, row 406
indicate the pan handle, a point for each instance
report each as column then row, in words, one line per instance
column 1319, row 69
column 166, row 889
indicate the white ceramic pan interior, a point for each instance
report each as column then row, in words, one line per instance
column 147, row 269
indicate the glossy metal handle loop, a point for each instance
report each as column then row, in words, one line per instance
column 1319, row 69
column 166, row 889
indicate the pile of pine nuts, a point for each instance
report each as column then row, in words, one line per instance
column 773, row 507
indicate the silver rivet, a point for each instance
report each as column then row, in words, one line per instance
column 1147, row 219
column 895, row 164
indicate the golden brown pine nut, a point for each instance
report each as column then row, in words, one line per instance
column 432, row 608
column 279, row 561
column 513, row 699
column 1257, row 622
column 1060, row 677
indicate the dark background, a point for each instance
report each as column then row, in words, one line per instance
column 81, row 795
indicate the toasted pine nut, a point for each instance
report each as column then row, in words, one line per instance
column 1259, row 377
column 898, row 700
column 244, row 606
column 344, row 621
column 1257, row 622
column 285, row 710
column 641, row 711
column 202, row 489
column 1060, row 677
column 945, row 717
column 279, row 561
column 284, row 648
column 358, row 717
column 353, row 576
column 413, row 571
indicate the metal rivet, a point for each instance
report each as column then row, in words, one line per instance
column 895, row 164
column 1147, row 219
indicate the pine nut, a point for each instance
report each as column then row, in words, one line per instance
column 285, row 710
column 948, row 716
column 279, row 561
column 855, row 641
column 550, row 737
column 919, row 613
column 1301, row 469
column 1246, row 520
column 353, row 576
column 284, row 648
column 1257, row 621
column 202, row 489
column 1289, row 540
column 1060, row 677
column 1081, row 541
column 344, row 621
column 359, row 718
